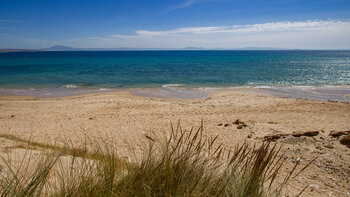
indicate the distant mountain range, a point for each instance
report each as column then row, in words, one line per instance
column 60, row 48
column 67, row 48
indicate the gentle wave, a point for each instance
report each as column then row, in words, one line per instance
column 172, row 85
column 72, row 86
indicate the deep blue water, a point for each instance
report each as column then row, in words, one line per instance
column 116, row 69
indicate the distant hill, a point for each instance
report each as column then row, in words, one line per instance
column 60, row 48
column 193, row 48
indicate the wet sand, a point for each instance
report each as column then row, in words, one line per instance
column 124, row 119
column 331, row 93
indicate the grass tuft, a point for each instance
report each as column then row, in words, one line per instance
column 186, row 163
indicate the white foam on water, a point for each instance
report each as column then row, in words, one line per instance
column 70, row 86
column 172, row 85
column 267, row 87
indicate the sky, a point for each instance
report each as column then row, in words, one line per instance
column 289, row 24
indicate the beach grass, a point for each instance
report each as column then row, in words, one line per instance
column 183, row 163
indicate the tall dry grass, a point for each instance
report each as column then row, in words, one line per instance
column 186, row 163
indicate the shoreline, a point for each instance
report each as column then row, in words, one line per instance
column 318, row 93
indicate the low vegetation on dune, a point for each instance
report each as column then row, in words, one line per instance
column 186, row 163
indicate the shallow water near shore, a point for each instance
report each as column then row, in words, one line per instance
column 308, row 93
column 334, row 93
column 50, row 92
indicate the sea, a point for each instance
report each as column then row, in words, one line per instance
column 306, row 74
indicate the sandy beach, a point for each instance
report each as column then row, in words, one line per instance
column 125, row 119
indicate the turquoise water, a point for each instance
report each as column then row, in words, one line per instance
column 129, row 69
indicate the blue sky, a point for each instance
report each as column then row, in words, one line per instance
column 304, row 24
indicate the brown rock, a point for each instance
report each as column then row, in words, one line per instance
column 226, row 125
column 296, row 134
column 219, row 124
column 250, row 135
column 237, row 121
column 12, row 116
column 338, row 133
column 240, row 123
column 273, row 137
column 345, row 140
column 239, row 126
column 307, row 133
column 311, row 133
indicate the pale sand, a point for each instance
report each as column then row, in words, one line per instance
column 126, row 119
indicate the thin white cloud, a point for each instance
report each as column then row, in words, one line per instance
column 264, row 27
column 184, row 4
column 189, row 3
column 311, row 34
